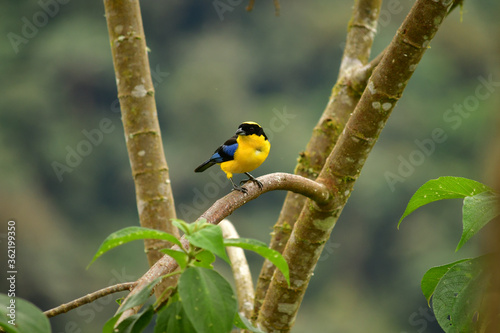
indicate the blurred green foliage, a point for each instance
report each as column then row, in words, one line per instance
column 222, row 70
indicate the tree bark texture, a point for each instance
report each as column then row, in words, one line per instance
column 345, row 96
column 344, row 164
column 155, row 202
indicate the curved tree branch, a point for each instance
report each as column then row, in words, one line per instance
column 352, row 79
column 89, row 298
column 344, row 164
column 225, row 206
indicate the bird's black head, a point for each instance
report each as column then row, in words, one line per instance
column 249, row 128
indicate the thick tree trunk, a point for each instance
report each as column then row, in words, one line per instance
column 155, row 202
column 344, row 164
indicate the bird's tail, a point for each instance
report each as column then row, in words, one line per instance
column 204, row 166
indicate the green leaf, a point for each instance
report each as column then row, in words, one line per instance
column 241, row 321
column 136, row 323
column 189, row 228
column 457, row 297
column 479, row 207
column 443, row 188
column 209, row 238
column 183, row 226
column 8, row 327
column 199, row 224
column 208, row 300
column 478, row 210
column 109, row 326
column 173, row 318
column 261, row 248
column 432, row 277
column 27, row 317
column 139, row 298
column 129, row 234
column 204, row 259
column 180, row 256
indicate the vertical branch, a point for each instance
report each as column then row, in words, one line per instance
column 155, row 202
column 345, row 95
column 344, row 164
column 241, row 271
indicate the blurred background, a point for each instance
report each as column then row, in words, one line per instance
column 215, row 65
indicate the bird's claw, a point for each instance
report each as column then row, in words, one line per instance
column 239, row 188
column 242, row 189
column 259, row 184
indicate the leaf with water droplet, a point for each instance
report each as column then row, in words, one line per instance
column 443, row 188
column 479, row 205
column 478, row 210
column 459, row 292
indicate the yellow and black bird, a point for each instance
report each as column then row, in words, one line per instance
column 242, row 153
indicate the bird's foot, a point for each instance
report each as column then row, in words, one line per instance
column 253, row 179
column 256, row 181
column 239, row 188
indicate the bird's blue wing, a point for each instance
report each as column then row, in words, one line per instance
column 229, row 151
column 225, row 152
column 216, row 158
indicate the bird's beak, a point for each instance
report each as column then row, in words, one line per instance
column 240, row 132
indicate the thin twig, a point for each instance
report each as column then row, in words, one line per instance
column 251, row 3
column 89, row 298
